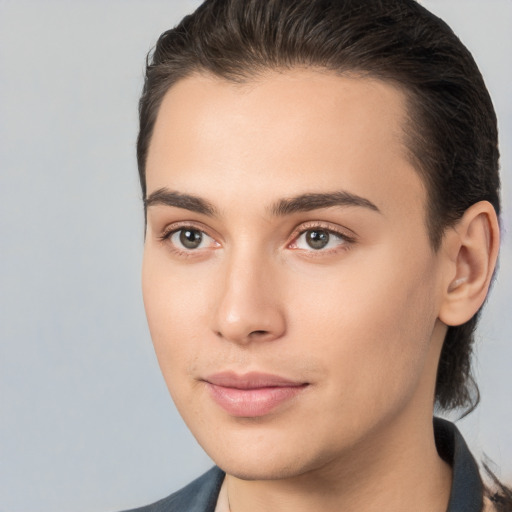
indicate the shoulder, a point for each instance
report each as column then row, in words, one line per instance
column 198, row 496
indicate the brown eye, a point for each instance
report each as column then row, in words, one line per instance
column 190, row 238
column 317, row 238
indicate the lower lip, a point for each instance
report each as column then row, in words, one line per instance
column 251, row 403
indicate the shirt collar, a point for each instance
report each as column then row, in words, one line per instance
column 467, row 488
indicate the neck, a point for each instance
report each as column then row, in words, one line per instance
column 397, row 470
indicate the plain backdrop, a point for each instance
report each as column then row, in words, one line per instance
column 86, row 423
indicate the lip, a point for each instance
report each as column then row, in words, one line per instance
column 252, row 394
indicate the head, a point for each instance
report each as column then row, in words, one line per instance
column 451, row 123
column 394, row 50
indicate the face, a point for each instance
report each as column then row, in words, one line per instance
column 290, row 288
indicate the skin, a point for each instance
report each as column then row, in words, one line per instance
column 360, row 322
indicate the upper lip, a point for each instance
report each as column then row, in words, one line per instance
column 252, row 380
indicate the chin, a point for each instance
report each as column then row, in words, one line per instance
column 269, row 469
column 263, row 456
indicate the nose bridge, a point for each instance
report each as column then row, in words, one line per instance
column 248, row 304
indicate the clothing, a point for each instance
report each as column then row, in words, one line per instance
column 466, row 493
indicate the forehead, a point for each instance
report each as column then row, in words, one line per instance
column 284, row 133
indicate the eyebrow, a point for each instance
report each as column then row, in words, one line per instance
column 164, row 196
column 308, row 202
column 302, row 203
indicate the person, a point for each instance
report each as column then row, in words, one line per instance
column 321, row 191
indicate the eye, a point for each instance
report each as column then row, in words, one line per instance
column 190, row 238
column 319, row 239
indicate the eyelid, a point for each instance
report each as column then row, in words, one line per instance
column 344, row 232
column 169, row 230
column 347, row 235
column 182, row 224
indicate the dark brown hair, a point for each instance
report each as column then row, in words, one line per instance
column 451, row 134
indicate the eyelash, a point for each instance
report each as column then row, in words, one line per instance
column 167, row 234
column 346, row 241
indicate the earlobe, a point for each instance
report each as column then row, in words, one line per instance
column 473, row 252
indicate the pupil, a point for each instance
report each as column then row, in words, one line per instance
column 191, row 239
column 317, row 239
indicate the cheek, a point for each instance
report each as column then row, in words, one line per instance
column 176, row 309
column 371, row 330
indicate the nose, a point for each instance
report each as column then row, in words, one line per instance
column 249, row 308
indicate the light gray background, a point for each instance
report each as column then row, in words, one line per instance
column 85, row 420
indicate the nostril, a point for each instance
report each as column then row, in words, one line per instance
column 258, row 333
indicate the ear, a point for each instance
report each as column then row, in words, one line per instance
column 471, row 247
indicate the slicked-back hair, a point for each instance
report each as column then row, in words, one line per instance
column 451, row 132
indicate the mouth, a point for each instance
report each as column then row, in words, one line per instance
column 252, row 394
